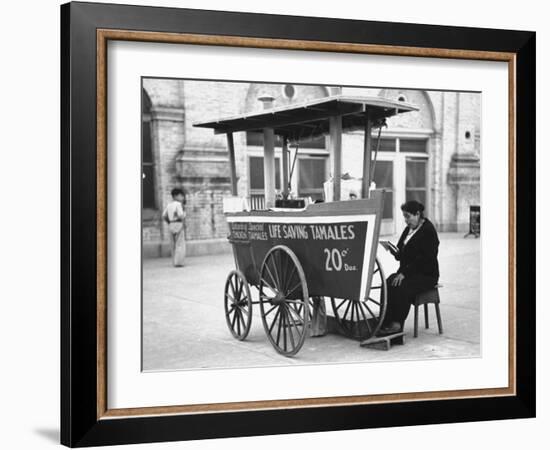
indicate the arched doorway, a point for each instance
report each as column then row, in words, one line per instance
column 148, row 195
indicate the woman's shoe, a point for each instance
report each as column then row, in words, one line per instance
column 392, row 328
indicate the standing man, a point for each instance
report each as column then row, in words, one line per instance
column 173, row 215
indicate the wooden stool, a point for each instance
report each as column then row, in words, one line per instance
column 431, row 296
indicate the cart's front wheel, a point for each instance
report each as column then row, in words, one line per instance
column 361, row 319
column 284, row 300
column 238, row 305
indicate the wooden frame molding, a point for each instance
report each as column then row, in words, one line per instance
column 105, row 35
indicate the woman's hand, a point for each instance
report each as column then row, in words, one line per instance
column 397, row 279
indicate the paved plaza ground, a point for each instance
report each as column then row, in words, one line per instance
column 184, row 324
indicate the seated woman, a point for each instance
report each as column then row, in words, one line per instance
column 418, row 266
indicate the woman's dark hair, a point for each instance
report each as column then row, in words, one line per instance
column 413, row 207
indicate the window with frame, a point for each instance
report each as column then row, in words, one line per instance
column 413, row 145
column 386, row 144
column 256, row 165
column 312, row 173
column 383, row 177
column 256, row 180
column 416, row 183
column 409, row 145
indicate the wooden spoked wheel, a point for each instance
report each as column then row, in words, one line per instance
column 284, row 300
column 361, row 319
column 238, row 305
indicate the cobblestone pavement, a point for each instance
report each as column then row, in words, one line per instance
column 184, row 325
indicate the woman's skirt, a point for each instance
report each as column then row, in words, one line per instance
column 401, row 297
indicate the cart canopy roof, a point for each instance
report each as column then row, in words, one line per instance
column 309, row 120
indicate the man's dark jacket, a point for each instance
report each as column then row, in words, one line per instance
column 419, row 256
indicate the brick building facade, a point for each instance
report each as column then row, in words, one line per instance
column 432, row 155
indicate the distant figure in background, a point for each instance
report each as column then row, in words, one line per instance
column 173, row 215
column 418, row 267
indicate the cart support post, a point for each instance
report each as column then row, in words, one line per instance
column 231, row 148
column 285, row 168
column 367, row 145
column 335, row 128
column 269, row 167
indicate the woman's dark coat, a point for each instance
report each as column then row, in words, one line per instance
column 419, row 256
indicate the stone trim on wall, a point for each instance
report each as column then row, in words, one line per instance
column 202, row 164
column 167, row 113
column 465, row 168
column 464, row 178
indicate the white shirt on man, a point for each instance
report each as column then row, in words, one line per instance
column 174, row 211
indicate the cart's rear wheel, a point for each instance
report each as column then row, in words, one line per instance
column 238, row 305
column 284, row 300
column 361, row 319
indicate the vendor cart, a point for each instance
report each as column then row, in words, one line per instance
column 296, row 254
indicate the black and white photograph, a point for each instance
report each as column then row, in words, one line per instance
column 300, row 224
